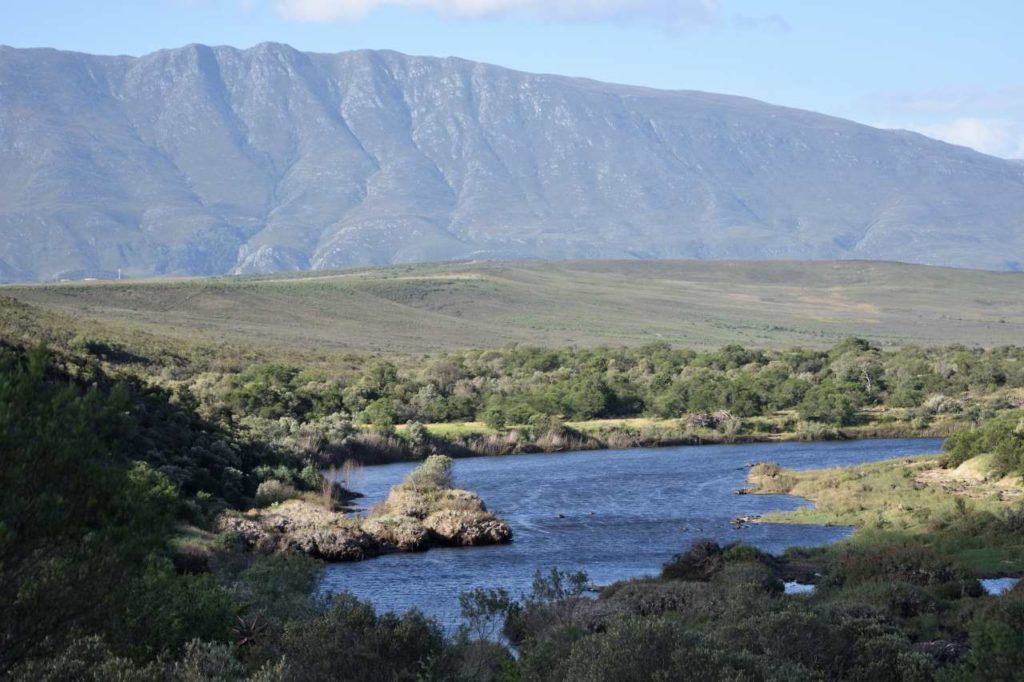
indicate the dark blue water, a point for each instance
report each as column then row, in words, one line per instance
column 613, row 513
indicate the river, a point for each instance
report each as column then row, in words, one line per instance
column 615, row 514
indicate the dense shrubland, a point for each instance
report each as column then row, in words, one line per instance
column 891, row 611
column 100, row 482
column 116, row 460
column 527, row 399
column 326, row 408
column 511, row 386
column 521, row 398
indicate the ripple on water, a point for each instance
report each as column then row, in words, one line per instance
column 615, row 514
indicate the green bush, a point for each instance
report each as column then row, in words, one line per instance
column 700, row 562
column 996, row 634
column 274, row 492
column 832, row 403
column 825, row 643
column 637, row 649
column 893, row 562
column 1001, row 436
column 349, row 641
column 436, row 471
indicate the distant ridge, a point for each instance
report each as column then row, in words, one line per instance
column 210, row 160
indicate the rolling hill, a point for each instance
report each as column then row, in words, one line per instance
column 428, row 308
column 212, row 160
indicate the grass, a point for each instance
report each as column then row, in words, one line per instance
column 959, row 511
column 426, row 308
column 782, row 426
column 455, row 429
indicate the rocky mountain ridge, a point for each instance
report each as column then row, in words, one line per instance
column 211, row 160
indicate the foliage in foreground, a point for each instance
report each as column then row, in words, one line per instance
column 98, row 473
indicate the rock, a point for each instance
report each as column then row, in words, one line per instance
column 412, row 518
column 301, row 527
column 467, row 528
column 404, row 533
column 248, row 530
column 331, row 544
column 420, row 503
column 744, row 521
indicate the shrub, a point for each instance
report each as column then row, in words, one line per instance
column 381, row 415
column 826, row 643
column 435, row 472
column 832, row 403
column 350, row 641
column 904, row 563
column 700, row 562
column 995, row 635
column 768, row 477
column 812, row 431
column 654, row 598
column 634, row 649
column 942, row 404
column 1001, row 436
column 274, row 492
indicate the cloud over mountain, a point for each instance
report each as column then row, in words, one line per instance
column 563, row 10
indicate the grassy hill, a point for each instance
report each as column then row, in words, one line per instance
column 423, row 308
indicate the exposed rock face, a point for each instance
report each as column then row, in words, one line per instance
column 402, row 532
column 411, row 520
column 208, row 160
column 303, row 528
column 467, row 528
column 406, row 501
column 448, row 516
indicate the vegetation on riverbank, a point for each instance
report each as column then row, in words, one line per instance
column 966, row 509
column 898, row 601
column 327, row 409
column 92, row 589
column 103, row 578
column 120, row 456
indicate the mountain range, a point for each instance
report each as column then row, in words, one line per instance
column 212, row 160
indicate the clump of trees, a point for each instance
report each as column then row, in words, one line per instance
column 510, row 386
column 1001, row 436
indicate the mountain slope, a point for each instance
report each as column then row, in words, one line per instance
column 207, row 160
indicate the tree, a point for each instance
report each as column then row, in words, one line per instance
column 831, row 403
column 381, row 414
column 79, row 522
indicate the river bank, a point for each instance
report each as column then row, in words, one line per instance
column 970, row 512
column 414, row 442
column 618, row 514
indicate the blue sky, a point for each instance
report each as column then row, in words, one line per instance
column 949, row 68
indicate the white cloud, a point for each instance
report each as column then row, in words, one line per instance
column 671, row 11
column 989, row 120
column 998, row 137
column 770, row 22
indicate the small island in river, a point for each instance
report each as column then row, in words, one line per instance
column 423, row 511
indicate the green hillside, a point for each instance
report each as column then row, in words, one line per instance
column 421, row 308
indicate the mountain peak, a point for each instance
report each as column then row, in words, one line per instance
column 208, row 160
